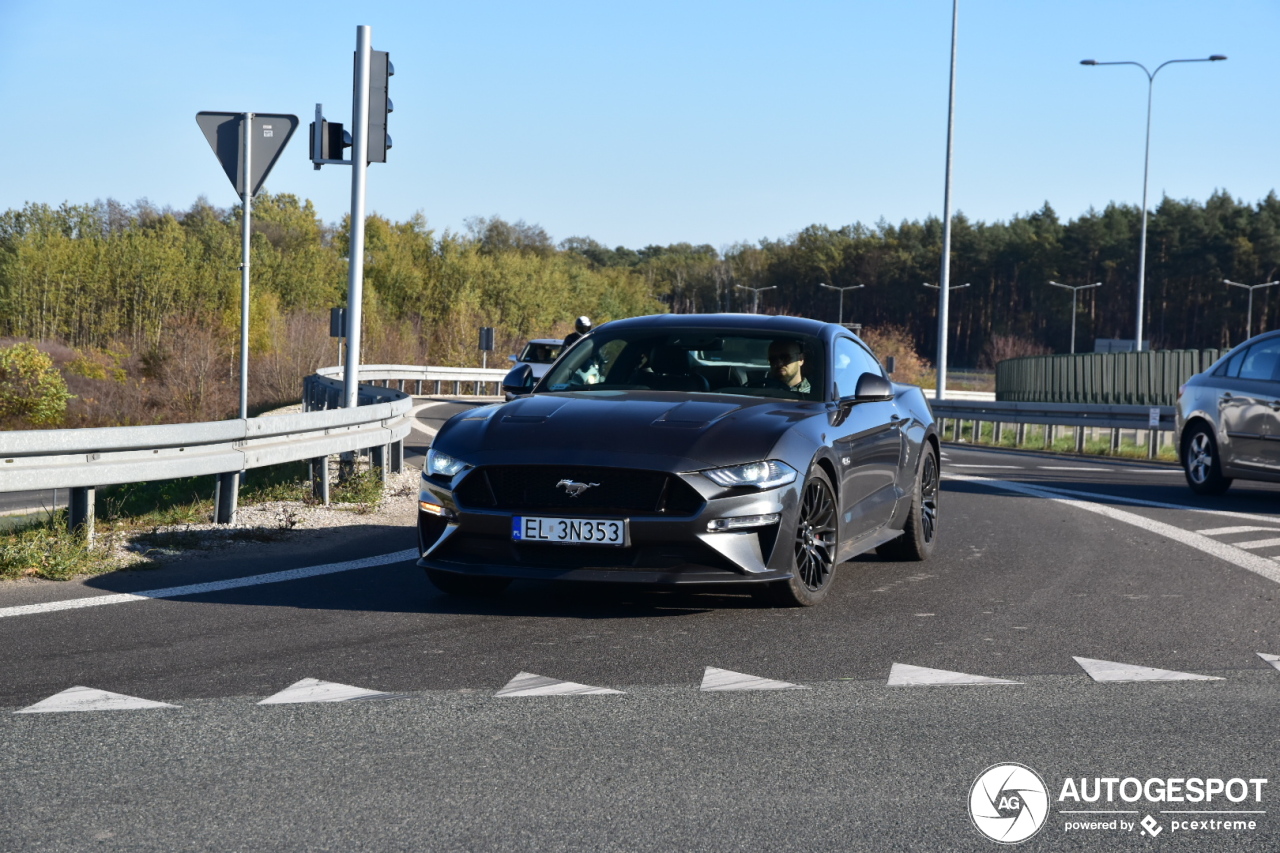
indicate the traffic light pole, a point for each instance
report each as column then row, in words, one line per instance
column 359, row 177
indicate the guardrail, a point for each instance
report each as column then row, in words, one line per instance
column 1156, row 421
column 324, row 388
column 83, row 459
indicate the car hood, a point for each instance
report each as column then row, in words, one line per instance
column 625, row 429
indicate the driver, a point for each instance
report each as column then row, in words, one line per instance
column 786, row 367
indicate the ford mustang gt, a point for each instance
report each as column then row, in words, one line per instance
column 686, row 449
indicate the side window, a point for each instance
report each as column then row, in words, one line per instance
column 850, row 362
column 1232, row 367
column 1261, row 361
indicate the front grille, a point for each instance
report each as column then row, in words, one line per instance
column 614, row 490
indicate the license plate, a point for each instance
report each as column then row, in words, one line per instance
column 570, row 531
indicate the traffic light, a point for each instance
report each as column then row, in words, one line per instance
column 328, row 141
column 380, row 72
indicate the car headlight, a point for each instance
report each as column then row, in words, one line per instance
column 761, row 475
column 443, row 463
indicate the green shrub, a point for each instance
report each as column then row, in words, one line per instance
column 32, row 390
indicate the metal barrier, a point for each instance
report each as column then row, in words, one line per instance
column 323, row 390
column 83, row 459
column 1052, row 415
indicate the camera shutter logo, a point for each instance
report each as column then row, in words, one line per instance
column 1008, row 803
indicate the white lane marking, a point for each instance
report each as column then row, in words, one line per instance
column 1223, row 551
column 89, row 699
column 1257, row 543
column 212, row 586
column 1274, row 660
column 726, row 679
column 416, row 425
column 1105, row 670
column 906, row 675
column 1223, row 531
column 1071, row 468
column 528, row 684
column 1010, row 467
column 315, row 690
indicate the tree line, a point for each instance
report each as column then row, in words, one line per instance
column 107, row 275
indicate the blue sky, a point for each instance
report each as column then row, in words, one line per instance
column 654, row 122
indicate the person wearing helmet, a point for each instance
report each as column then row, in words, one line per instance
column 581, row 326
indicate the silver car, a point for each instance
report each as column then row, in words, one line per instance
column 1229, row 418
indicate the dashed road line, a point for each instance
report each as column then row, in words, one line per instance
column 75, row 699
column 714, row 679
column 906, row 675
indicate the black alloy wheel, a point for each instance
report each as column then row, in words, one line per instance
column 815, row 546
column 920, row 531
column 1202, row 463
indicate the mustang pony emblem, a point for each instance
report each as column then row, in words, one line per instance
column 574, row 489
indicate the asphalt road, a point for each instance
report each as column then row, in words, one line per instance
column 1043, row 560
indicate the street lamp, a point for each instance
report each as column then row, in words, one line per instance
column 755, row 305
column 1248, row 324
column 1146, row 162
column 952, row 287
column 942, row 334
column 1075, row 288
column 842, row 290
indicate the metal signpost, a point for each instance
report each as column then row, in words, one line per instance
column 369, row 143
column 247, row 145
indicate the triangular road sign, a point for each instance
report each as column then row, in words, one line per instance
column 314, row 690
column 528, row 684
column 270, row 133
column 726, row 679
column 1105, row 670
column 89, row 699
column 906, row 675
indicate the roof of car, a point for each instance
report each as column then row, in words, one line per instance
column 744, row 322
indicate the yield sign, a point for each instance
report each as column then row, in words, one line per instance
column 270, row 133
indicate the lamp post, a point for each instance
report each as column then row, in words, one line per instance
column 1248, row 324
column 842, row 290
column 1146, row 162
column 943, row 293
column 1075, row 288
column 755, row 305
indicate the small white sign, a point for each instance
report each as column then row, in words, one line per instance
column 1153, row 417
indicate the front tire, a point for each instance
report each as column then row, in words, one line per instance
column 814, row 543
column 920, row 533
column 1202, row 463
column 466, row 586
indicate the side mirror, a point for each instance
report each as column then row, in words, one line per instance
column 873, row 386
column 518, row 382
column 514, row 359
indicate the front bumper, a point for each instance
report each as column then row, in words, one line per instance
column 663, row 549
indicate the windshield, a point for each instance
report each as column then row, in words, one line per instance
column 718, row 361
column 538, row 353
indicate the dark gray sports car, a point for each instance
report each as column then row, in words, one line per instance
column 686, row 449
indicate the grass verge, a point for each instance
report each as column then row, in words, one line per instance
column 145, row 516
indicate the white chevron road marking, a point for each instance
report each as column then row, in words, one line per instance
column 212, row 586
column 315, row 690
column 726, row 679
column 1106, row 670
column 88, row 699
column 906, row 675
column 528, row 684
column 1226, row 531
column 1274, row 660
